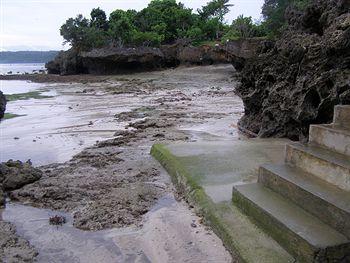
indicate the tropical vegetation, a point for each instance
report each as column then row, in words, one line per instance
column 165, row 21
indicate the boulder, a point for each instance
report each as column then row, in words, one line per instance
column 16, row 174
column 2, row 105
column 297, row 80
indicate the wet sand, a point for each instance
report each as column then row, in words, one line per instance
column 126, row 114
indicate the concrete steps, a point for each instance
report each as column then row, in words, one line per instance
column 325, row 164
column 325, row 201
column 304, row 204
column 342, row 116
column 335, row 138
column 301, row 233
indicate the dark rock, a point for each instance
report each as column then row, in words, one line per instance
column 2, row 197
column 66, row 63
column 2, row 105
column 297, row 81
column 123, row 60
column 16, row 174
column 116, row 60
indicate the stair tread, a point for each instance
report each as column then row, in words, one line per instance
column 324, row 154
column 334, row 127
column 307, row 226
column 312, row 184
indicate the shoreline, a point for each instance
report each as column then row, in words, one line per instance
column 102, row 173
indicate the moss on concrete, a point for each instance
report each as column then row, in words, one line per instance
column 238, row 234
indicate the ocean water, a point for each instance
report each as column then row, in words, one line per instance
column 21, row 68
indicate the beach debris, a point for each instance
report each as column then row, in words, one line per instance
column 57, row 220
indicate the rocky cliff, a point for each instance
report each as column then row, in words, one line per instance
column 2, row 105
column 297, row 81
column 119, row 60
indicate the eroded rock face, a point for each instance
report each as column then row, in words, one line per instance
column 123, row 60
column 114, row 60
column 298, row 80
column 66, row 63
column 2, row 105
column 16, row 174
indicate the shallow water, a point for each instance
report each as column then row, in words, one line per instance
column 165, row 233
column 20, row 68
column 54, row 129
column 18, row 86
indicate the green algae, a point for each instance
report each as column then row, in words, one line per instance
column 26, row 96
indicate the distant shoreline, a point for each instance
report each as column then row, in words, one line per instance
column 26, row 57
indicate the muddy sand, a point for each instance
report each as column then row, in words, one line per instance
column 103, row 178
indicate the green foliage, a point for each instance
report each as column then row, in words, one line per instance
column 215, row 9
column 73, row 31
column 161, row 22
column 244, row 27
column 147, row 38
column 195, row 34
column 120, row 27
column 273, row 12
column 98, row 19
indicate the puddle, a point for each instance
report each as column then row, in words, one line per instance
column 65, row 243
column 166, row 236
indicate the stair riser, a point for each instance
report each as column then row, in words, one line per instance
column 330, row 172
column 294, row 244
column 328, row 213
column 342, row 116
column 330, row 139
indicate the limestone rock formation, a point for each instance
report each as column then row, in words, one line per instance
column 118, row 60
column 66, row 63
column 2, row 105
column 15, row 174
column 297, row 81
column 113, row 60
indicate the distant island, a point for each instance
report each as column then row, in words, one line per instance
column 7, row 57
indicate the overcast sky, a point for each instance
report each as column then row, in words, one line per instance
column 34, row 24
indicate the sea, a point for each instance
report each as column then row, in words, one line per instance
column 21, row 68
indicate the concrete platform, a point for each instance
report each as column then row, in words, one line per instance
column 205, row 173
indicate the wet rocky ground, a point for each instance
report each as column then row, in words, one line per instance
column 114, row 182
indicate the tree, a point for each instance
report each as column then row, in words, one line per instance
column 98, row 19
column 120, row 27
column 74, row 31
column 195, row 34
column 146, row 38
column 273, row 12
column 165, row 17
column 215, row 9
column 244, row 27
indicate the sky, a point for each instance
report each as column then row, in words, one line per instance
column 34, row 24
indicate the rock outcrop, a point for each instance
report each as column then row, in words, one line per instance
column 66, row 63
column 297, row 81
column 2, row 105
column 120, row 60
column 16, row 174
